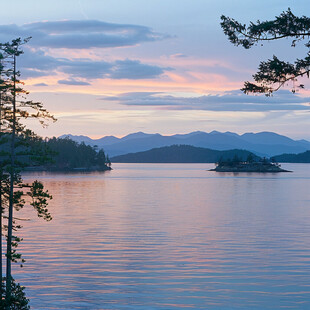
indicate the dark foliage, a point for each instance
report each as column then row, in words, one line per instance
column 18, row 300
column 18, row 148
column 273, row 73
column 294, row 158
column 68, row 154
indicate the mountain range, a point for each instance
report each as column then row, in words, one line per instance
column 262, row 144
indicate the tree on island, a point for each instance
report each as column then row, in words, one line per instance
column 250, row 158
column 16, row 148
column 273, row 73
column 236, row 160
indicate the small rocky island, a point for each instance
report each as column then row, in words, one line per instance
column 237, row 165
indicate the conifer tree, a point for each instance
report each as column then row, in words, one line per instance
column 15, row 150
column 273, row 73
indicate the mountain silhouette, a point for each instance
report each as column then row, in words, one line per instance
column 262, row 144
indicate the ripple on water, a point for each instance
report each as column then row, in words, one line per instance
column 170, row 237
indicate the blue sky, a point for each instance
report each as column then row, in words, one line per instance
column 115, row 67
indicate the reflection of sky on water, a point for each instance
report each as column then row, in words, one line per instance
column 168, row 236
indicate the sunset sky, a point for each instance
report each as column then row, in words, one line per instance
column 112, row 67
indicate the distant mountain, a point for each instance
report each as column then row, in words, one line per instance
column 78, row 139
column 181, row 154
column 266, row 137
column 106, row 140
column 138, row 135
column 294, row 158
column 262, row 143
column 305, row 143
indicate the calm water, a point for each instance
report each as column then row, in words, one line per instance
column 171, row 236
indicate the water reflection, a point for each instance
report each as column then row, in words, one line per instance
column 170, row 237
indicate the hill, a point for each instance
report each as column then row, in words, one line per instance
column 294, row 158
column 180, row 154
column 262, row 144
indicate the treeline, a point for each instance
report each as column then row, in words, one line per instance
column 236, row 159
column 294, row 158
column 66, row 154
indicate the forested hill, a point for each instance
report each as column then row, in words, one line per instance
column 294, row 158
column 65, row 154
column 181, row 154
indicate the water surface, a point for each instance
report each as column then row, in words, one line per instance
column 170, row 236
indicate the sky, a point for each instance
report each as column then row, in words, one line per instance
column 113, row 67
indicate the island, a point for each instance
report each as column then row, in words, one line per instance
column 237, row 165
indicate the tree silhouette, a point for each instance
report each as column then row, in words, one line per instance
column 273, row 73
column 68, row 155
column 250, row 158
column 16, row 148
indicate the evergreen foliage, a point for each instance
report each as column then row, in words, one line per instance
column 273, row 73
column 68, row 154
column 18, row 299
column 18, row 147
column 294, row 158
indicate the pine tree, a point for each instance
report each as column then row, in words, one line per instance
column 273, row 73
column 15, row 150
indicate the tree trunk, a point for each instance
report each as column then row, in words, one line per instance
column 11, row 196
column 1, row 213
column 1, row 207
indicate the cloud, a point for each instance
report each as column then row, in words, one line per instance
column 85, row 68
column 33, row 73
column 40, row 84
column 37, row 64
column 130, row 96
column 134, row 69
column 80, row 34
column 73, row 82
column 178, row 55
column 228, row 101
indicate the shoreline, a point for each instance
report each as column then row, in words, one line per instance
column 79, row 169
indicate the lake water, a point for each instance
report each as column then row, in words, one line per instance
column 170, row 236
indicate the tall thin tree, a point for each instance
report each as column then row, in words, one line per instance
column 13, row 189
